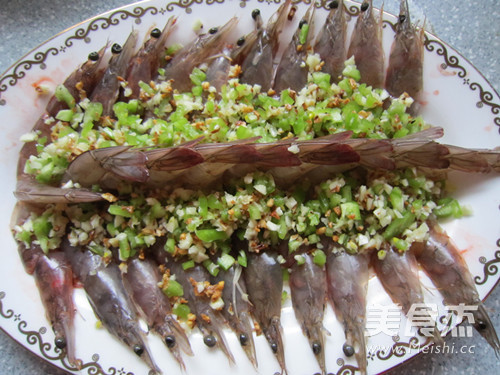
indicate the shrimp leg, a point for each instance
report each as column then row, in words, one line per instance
column 447, row 269
column 348, row 297
column 264, row 280
column 141, row 279
column 308, row 289
column 398, row 274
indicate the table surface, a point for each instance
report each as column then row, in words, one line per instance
column 472, row 28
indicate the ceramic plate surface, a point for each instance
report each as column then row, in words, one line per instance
column 456, row 97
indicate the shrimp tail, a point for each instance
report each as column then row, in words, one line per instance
column 470, row 160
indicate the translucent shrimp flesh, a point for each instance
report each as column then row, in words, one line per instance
column 196, row 53
column 348, row 297
column 292, row 70
column 406, row 60
column 109, row 299
column 108, row 89
column 54, row 280
column 264, row 280
column 209, row 321
column 445, row 266
column 145, row 63
column 398, row 273
column 236, row 308
column 308, row 289
column 258, row 66
column 330, row 43
column 141, row 278
column 366, row 46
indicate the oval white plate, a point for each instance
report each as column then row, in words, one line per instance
column 456, row 98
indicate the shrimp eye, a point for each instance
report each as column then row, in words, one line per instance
column 274, row 347
column 402, row 18
column 255, row 13
column 213, row 30
column 138, row 349
column 364, row 7
column 170, row 341
column 302, row 23
column 60, row 342
column 210, row 341
column 348, row 350
column 116, row 48
column 243, row 339
column 481, row 325
column 333, row 5
column 93, row 56
column 316, row 347
column 240, row 41
column 156, row 33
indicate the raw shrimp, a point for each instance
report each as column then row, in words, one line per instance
column 347, row 277
column 107, row 90
column 406, row 61
column 331, row 41
column 144, row 65
column 308, row 289
column 110, row 301
column 258, row 66
column 292, row 69
column 366, row 46
column 141, row 278
column 236, row 308
column 196, row 53
column 446, row 267
column 79, row 84
column 264, row 280
column 54, row 279
column 209, row 321
column 398, row 273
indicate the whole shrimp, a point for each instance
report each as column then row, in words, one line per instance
column 208, row 320
column 258, row 66
column 347, row 277
column 141, row 278
column 398, row 273
column 107, row 90
column 406, row 60
column 366, row 46
column 292, row 69
column 445, row 266
column 308, row 289
column 109, row 299
column 145, row 63
column 54, row 280
column 236, row 307
column 330, row 43
column 264, row 280
column 195, row 53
